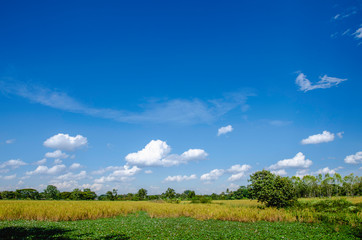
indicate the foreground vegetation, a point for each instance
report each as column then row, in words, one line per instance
column 339, row 211
column 141, row 226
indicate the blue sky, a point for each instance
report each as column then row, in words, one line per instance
column 190, row 95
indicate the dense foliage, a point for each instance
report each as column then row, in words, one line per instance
column 307, row 186
column 274, row 191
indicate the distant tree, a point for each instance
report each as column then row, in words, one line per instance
column 88, row 194
column 274, row 191
column 27, row 193
column 170, row 193
column 142, row 194
column 8, row 195
column 241, row 193
column 51, row 192
column 65, row 195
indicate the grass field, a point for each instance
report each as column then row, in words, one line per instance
column 141, row 226
column 241, row 219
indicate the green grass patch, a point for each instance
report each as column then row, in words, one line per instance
column 141, row 226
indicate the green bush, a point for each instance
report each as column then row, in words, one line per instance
column 274, row 191
column 201, row 199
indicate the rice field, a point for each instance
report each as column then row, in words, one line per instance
column 229, row 219
column 228, row 210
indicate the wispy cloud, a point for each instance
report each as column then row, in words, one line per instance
column 358, row 33
column 180, row 178
column 187, row 111
column 325, row 82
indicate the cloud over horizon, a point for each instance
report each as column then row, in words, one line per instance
column 298, row 161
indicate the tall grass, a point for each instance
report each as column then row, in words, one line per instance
column 238, row 210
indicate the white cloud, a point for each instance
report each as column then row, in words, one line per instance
column 56, row 154
column 354, row 158
column 340, row 134
column 280, row 172
column 358, row 33
column 65, row 142
column 10, row 141
column 239, row 168
column 224, row 130
column 75, row 166
column 298, row 161
column 325, row 171
column 123, row 174
column 148, row 171
column 238, row 171
column 13, row 163
column 301, row 173
column 10, row 177
column 71, row 176
column 180, row 178
column 49, row 171
column 319, row 138
column 41, row 162
column 57, row 161
column 213, row 175
column 156, row 153
column 66, row 185
column 325, row 82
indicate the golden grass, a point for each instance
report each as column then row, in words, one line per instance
column 232, row 210
column 79, row 210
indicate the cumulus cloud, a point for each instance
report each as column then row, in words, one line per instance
column 122, row 174
column 213, row 175
column 238, row 171
column 71, row 176
column 225, row 130
column 354, row 158
column 13, row 163
column 180, row 178
column 56, row 154
column 65, row 142
column 301, row 173
column 57, row 161
column 325, row 82
column 298, row 161
column 280, row 172
column 41, row 162
column 66, row 185
column 47, row 171
column 325, row 171
column 148, row 171
column 75, row 166
column 319, row 138
column 157, row 153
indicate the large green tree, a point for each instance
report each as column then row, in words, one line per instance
column 274, row 191
column 51, row 192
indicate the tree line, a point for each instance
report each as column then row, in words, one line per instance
column 298, row 187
